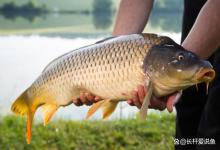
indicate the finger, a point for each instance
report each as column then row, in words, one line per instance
column 77, row 102
column 170, row 104
column 90, row 97
column 83, row 98
column 97, row 98
column 87, row 96
column 141, row 93
column 136, row 99
column 172, row 100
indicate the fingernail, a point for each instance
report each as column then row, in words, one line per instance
column 74, row 101
column 170, row 108
column 97, row 98
column 129, row 102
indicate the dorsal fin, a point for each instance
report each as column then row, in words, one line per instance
column 106, row 39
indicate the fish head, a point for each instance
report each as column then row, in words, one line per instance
column 171, row 68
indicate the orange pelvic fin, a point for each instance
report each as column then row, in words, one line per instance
column 48, row 111
column 109, row 108
column 94, row 108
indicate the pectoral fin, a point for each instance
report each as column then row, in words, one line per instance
column 48, row 111
column 144, row 107
column 107, row 105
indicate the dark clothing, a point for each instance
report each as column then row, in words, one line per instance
column 198, row 114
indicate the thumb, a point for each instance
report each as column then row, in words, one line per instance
column 172, row 100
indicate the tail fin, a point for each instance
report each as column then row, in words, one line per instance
column 21, row 107
column 30, row 117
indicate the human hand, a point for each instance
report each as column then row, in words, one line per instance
column 155, row 103
column 85, row 98
column 137, row 100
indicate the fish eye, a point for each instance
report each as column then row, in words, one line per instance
column 180, row 57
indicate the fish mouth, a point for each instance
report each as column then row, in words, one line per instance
column 205, row 75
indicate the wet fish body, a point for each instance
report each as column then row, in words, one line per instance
column 110, row 69
column 107, row 69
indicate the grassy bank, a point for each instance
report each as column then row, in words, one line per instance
column 155, row 133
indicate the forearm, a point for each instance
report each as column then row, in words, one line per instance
column 204, row 36
column 132, row 16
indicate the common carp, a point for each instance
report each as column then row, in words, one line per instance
column 111, row 69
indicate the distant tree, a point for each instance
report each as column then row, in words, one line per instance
column 102, row 6
column 28, row 11
column 166, row 21
column 164, row 13
column 168, row 5
column 102, row 13
column 8, row 6
column 7, row 10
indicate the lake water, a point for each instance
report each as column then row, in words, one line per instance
column 26, row 47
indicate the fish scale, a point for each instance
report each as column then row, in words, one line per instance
column 93, row 67
column 110, row 69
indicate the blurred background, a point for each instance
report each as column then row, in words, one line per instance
column 34, row 32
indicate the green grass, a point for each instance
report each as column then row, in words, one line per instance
column 155, row 133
